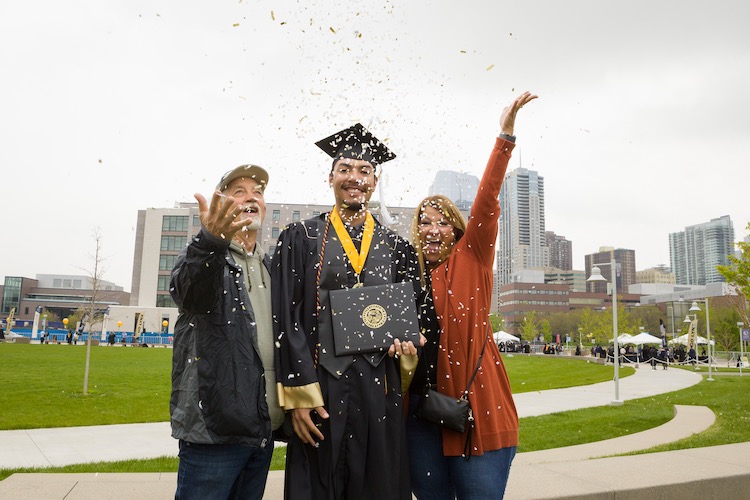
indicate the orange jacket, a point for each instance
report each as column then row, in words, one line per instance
column 462, row 291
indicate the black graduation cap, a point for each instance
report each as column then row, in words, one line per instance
column 358, row 143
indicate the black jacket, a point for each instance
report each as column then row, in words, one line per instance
column 218, row 387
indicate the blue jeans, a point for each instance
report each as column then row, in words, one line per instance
column 220, row 471
column 437, row 477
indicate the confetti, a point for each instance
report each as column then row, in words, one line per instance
column 273, row 17
column 490, row 67
column 332, row 30
column 235, row 25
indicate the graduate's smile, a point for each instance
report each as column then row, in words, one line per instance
column 353, row 182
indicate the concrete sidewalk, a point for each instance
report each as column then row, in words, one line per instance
column 645, row 382
column 688, row 420
column 716, row 472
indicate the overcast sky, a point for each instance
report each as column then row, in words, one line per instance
column 108, row 107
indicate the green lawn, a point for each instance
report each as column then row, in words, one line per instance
column 541, row 373
column 41, row 384
column 727, row 396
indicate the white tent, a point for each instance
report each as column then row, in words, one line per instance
column 502, row 336
column 624, row 338
column 683, row 339
column 644, row 338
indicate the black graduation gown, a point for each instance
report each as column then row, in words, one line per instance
column 363, row 455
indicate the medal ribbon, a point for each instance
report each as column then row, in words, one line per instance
column 356, row 259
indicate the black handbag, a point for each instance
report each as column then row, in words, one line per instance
column 443, row 410
column 446, row 411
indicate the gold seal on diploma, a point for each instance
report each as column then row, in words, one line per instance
column 374, row 316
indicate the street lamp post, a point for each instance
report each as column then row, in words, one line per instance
column 740, row 324
column 694, row 307
column 596, row 275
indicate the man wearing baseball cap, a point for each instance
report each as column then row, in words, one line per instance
column 222, row 363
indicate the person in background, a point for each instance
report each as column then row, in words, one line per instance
column 456, row 276
column 223, row 408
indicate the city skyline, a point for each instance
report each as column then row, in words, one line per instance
column 109, row 107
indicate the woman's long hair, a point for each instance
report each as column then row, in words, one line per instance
column 450, row 211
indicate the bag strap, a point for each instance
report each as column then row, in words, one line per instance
column 465, row 394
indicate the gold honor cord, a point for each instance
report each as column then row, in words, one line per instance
column 357, row 259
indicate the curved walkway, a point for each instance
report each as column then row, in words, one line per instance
column 643, row 383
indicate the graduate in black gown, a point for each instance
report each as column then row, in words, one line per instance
column 347, row 411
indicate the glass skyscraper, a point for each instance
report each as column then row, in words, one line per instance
column 522, row 243
column 695, row 252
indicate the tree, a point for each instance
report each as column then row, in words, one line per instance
column 547, row 329
column 497, row 322
column 737, row 275
column 724, row 329
column 90, row 311
column 529, row 326
column 565, row 323
column 647, row 317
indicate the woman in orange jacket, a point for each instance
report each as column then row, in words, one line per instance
column 456, row 272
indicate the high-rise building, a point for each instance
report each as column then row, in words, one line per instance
column 560, row 251
column 695, row 252
column 460, row 188
column 522, row 243
column 161, row 233
column 625, row 260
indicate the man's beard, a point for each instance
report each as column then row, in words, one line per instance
column 255, row 225
column 354, row 206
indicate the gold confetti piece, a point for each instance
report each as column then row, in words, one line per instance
column 235, row 25
column 463, row 52
column 283, row 23
column 359, row 35
column 490, row 67
column 273, row 17
column 332, row 30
